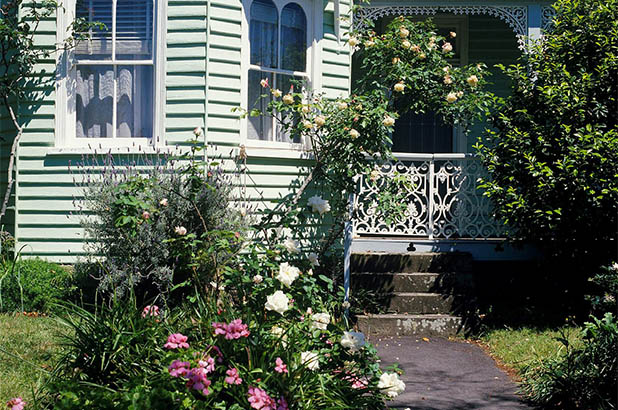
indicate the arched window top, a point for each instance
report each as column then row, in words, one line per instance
column 263, row 36
column 293, row 38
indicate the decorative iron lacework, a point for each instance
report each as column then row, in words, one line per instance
column 515, row 16
column 547, row 16
column 442, row 196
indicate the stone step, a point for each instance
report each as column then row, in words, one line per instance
column 415, row 302
column 411, row 262
column 446, row 283
column 409, row 325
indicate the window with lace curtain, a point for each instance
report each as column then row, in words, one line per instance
column 112, row 76
column 278, row 42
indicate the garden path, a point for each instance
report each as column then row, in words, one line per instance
column 442, row 374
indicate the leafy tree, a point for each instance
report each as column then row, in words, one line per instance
column 552, row 155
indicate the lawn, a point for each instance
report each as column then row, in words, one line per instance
column 517, row 348
column 26, row 345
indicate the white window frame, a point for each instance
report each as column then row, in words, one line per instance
column 66, row 109
column 313, row 14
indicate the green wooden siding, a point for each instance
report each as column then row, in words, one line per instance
column 203, row 82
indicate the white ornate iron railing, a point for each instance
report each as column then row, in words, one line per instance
column 441, row 193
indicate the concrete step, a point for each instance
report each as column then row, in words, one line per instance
column 415, row 302
column 411, row 262
column 409, row 325
column 387, row 282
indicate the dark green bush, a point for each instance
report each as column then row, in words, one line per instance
column 584, row 378
column 31, row 285
column 552, row 156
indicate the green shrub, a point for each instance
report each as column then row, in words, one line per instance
column 584, row 378
column 34, row 285
column 553, row 151
column 606, row 281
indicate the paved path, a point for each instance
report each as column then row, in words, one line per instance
column 447, row 375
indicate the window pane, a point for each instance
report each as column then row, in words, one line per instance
column 329, row 17
column 263, row 33
column 94, row 101
column 135, row 97
column 287, row 84
column 99, row 47
column 134, row 29
column 293, row 38
column 260, row 128
column 422, row 133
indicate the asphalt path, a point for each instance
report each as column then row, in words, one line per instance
column 442, row 374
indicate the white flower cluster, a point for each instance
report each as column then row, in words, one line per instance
column 320, row 321
column 278, row 301
column 391, row 385
column 287, row 274
column 353, row 340
column 291, row 245
column 318, row 205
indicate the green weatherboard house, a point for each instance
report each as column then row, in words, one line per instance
column 165, row 67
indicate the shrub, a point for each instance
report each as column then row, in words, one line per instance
column 584, row 378
column 31, row 285
column 149, row 222
column 553, row 151
column 604, row 299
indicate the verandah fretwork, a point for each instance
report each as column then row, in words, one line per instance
column 443, row 199
column 515, row 16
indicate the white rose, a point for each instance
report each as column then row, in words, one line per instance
column 320, row 321
column 451, row 97
column 313, row 259
column 197, row 131
column 369, row 43
column 473, row 80
column 306, row 108
column 459, row 94
column 287, row 274
column 278, row 302
column 404, row 32
column 374, row 175
column 353, row 41
column 307, row 124
column 310, row 359
column 291, row 245
column 388, row 121
column 180, row 230
column 406, row 44
column 354, row 134
column 399, row 87
column 320, row 120
column 342, row 105
column 276, row 93
column 615, row 266
column 353, row 340
column 318, row 204
column 448, row 80
column 264, row 82
column 447, row 47
column 453, row 34
column 257, row 279
column 391, row 384
column 288, row 99
column 163, row 202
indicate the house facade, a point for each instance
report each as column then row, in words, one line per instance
column 166, row 67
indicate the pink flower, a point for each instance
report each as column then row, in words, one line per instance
column 282, row 404
column 176, row 341
column 150, row 311
column 205, row 361
column 179, row 368
column 280, row 366
column 232, row 376
column 16, row 403
column 197, row 380
column 146, row 215
column 259, row 399
column 234, row 330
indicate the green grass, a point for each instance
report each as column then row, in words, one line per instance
column 517, row 348
column 26, row 345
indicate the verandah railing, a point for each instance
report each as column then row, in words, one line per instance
column 440, row 198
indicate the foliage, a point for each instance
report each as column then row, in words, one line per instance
column 552, row 153
column 584, row 378
column 34, row 285
column 156, row 227
column 604, row 299
column 7, row 245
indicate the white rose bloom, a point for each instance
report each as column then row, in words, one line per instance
column 163, row 202
column 374, row 175
column 353, row 41
column 291, row 245
column 448, row 80
column 391, row 384
column 451, row 97
column 288, row 99
column 354, row 134
column 276, row 93
column 447, row 47
column 473, row 80
column 264, row 82
column 369, row 43
column 353, row 340
column 257, row 279
column 278, row 302
column 615, row 266
column 388, row 121
column 453, row 34
column 342, row 105
column 404, row 32
column 197, row 131
column 306, row 108
column 320, row 321
column 180, row 230
column 318, row 205
column 313, row 259
column 287, row 274
column 406, row 44
column 307, row 124
column 310, row 359
column 399, row 87
column 320, row 120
